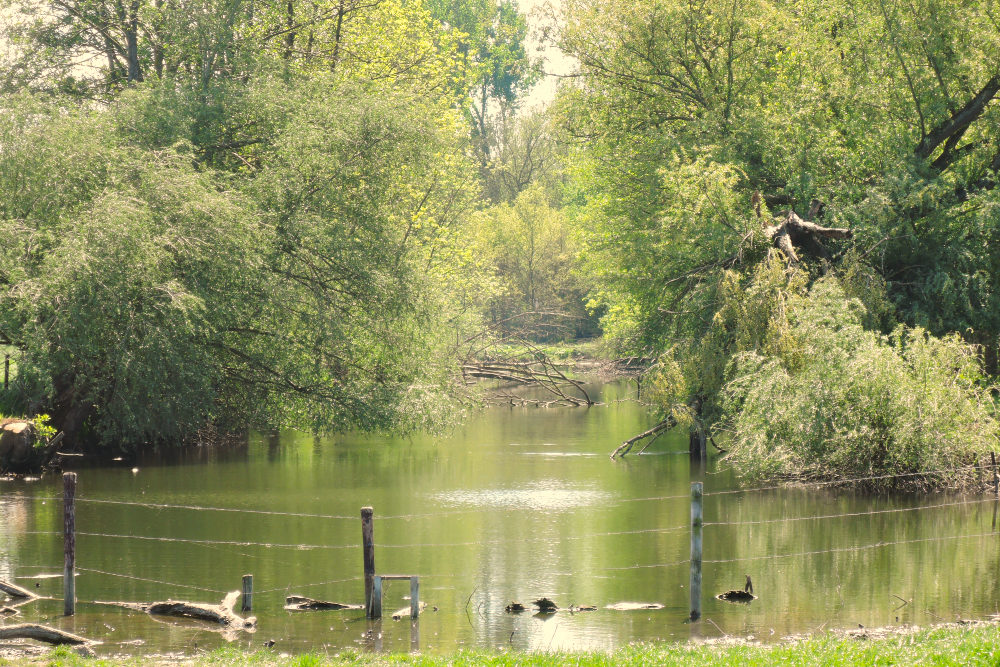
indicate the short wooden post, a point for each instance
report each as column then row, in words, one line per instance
column 414, row 597
column 696, row 525
column 69, row 543
column 247, row 605
column 368, row 545
column 376, row 605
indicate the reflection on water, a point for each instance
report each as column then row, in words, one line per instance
column 519, row 503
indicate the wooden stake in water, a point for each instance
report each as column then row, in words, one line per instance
column 376, row 605
column 247, row 605
column 696, row 523
column 414, row 597
column 69, row 543
column 368, row 546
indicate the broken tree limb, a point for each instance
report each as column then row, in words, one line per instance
column 16, row 591
column 626, row 446
column 42, row 633
column 300, row 603
column 221, row 613
column 794, row 231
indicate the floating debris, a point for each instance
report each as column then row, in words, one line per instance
column 634, row 606
column 546, row 606
column 736, row 596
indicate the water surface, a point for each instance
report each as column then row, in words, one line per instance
column 518, row 503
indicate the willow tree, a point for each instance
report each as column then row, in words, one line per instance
column 710, row 131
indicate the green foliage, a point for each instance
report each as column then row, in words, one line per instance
column 834, row 400
column 527, row 249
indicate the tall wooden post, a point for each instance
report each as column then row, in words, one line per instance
column 368, row 545
column 696, row 525
column 6, row 371
column 69, row 543
column 247, row 605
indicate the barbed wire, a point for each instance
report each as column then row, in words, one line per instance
column 817, row 517
column 238, row 543
column 312, row 585
column 151, row 581
column 865, row 547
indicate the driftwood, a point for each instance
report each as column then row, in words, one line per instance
column 16, row 591
column 42, row 633
column 405, row 612
column 221, row 613
column 531, row 368
column 300, row 603
column 634, row 606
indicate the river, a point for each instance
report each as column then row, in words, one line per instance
column 516, row 504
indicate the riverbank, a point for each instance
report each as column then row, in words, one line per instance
column 973, row 643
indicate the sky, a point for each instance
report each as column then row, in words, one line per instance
column 554, row 62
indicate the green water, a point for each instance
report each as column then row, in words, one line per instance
column 518, row 503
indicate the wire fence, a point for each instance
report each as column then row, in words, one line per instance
column 229, row 544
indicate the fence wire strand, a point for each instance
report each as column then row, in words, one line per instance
column 151, row 581
column 818, row 517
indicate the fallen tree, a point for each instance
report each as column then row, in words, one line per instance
column 221, row 613
column 42, row 633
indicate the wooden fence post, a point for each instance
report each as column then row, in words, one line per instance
column 376, row 606
column 6, row 371
column 368, row 546
column 69, row 543
column 247, row 605
column 696, row 525
column 414, row 597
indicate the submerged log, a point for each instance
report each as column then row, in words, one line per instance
column 633, row 606
column 300, row 603
column 405, row 612
column 16, row 591
column 221, row 613
column 42, row 633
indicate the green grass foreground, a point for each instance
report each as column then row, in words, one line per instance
column 975, row 645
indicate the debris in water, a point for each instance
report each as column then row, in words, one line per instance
column 634, row 606
column 546, row 606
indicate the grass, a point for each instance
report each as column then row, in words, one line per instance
column 951, row 645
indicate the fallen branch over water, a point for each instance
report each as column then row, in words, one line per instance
column 626, row 446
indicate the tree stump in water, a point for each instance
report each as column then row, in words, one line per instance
column 299, row 603
column 736, row 596
column 22, row 449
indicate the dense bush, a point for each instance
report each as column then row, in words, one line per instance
column 836, row 401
